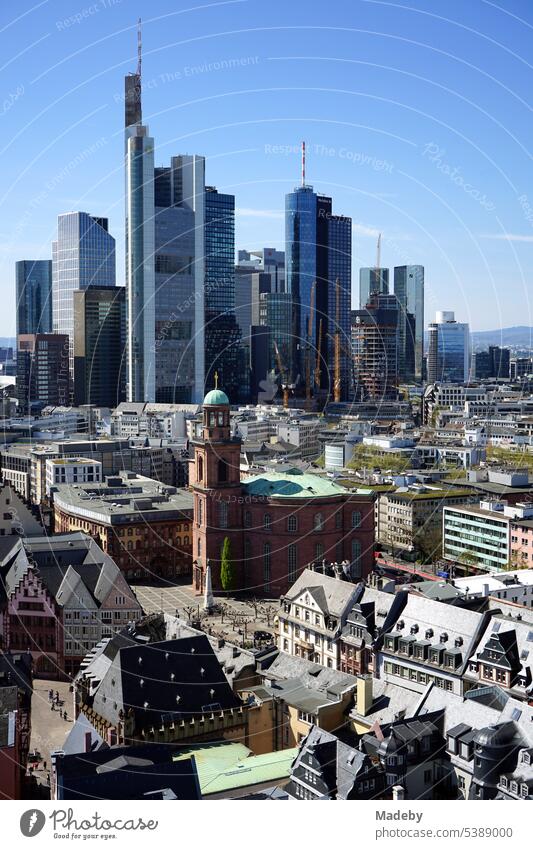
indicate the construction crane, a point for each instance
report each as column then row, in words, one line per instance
column 337, row 344
column 282, row 371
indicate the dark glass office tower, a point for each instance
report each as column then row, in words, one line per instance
column 222, row 332
column 317, row 253
column 100, row 363
column 179, row 280
column 339, row 274
column 34, row 295
column 448, row 349
column 409, row 290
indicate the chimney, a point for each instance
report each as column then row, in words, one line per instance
column 398, row 793
column 364, row 694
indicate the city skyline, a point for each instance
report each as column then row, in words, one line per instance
column 383, row 177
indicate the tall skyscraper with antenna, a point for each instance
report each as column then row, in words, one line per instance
column 140, row 242
column 318, row 253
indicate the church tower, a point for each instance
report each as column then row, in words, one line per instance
column 216, row 484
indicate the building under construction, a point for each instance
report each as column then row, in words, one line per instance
column 375, row 343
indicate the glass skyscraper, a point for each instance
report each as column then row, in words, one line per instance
column 99, row 346
column 409, row 290
column 448, row 350
column 317, row 252
column 372, row 281
column 179, row 280
column 82, row 256
column 140, row 246
column 34, row 295
column 222, row 332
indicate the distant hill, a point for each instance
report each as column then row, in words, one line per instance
column 514, row 337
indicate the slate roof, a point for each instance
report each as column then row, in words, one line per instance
column 75, row 742
column 507, row 629
column 331, row 594
column 313, row 676
column 174, row 679
column 341, row 764
column 127, row 772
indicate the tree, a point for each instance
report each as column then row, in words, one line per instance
column 227, row 570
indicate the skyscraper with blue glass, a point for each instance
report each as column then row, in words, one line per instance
column 222, row 332
column 83, row 255
column 448, row 349
column 318, row 253
column 34, row 295
column 140, row 246
column 179, row 280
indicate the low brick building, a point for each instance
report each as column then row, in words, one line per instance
column 276, row 524
column 143, row 524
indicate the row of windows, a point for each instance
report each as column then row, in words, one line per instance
column 292, row 521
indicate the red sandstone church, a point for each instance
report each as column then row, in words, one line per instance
column 276, row 523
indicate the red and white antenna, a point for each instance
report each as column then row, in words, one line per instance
column 303, row 163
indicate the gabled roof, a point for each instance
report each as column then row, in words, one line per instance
column 332, row 595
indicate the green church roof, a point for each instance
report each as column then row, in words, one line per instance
column 216, row 398
column 291, row 485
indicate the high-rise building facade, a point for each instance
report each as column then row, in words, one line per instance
column 222, row 332
column 372, row 281
column 99, row 346
column 83, row 255
column 179, row 192
column 375, row 341
column 448, row 350
column 409, row 290
column 34, row 296
column 317, row 254
column 43, row 375
column 140, row 246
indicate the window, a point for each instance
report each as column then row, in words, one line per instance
column 267, row 522
column 338, row 520
column 200, row 468
column 247, row 519
column 319, row 551
column 223, row 514
column 266, row 567
column 200, row 511
column 292, row 555
column 222, row 471
column 318, row 522
column 356, row 519
column 292, row 524
column 356, row 558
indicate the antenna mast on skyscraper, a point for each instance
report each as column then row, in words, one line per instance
column 139, row 48
column 378, row 253
column 303, row 163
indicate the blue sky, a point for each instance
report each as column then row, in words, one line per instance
column 416, row 115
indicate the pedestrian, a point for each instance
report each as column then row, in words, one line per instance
column 60, row 713
column 52, row 706
column 50, row 695
column 57, row 695
column 65, row 716
column 44, row 764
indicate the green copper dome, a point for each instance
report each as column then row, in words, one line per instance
column 216, row 398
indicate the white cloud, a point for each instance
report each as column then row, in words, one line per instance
column 507, row 237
